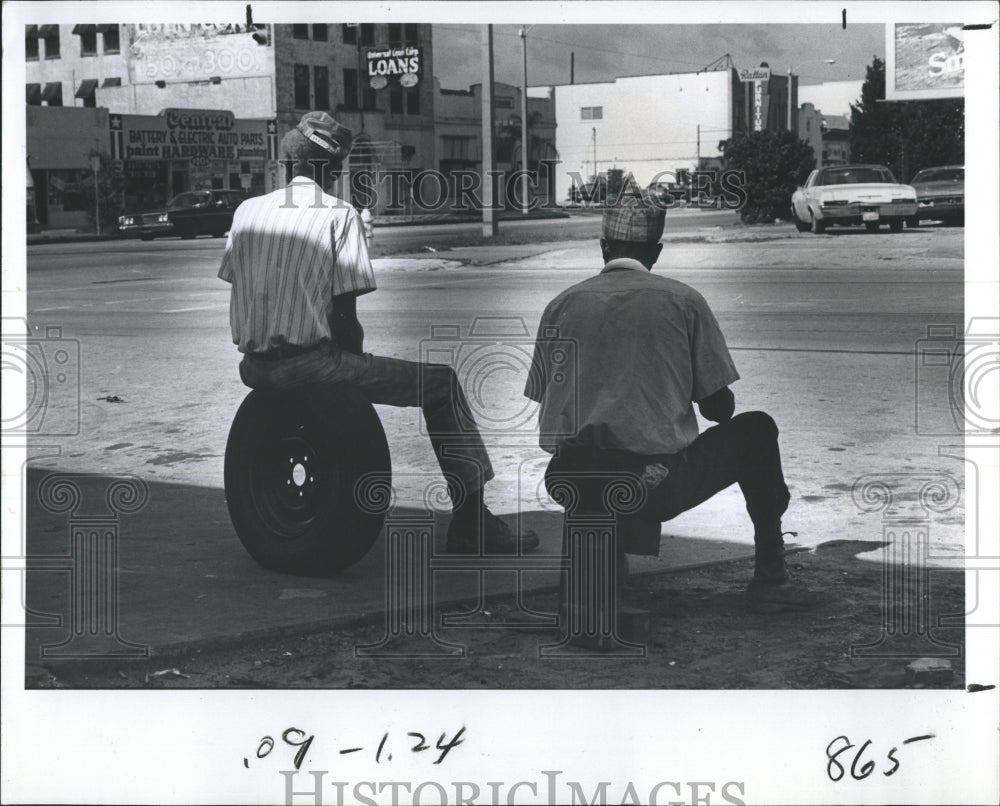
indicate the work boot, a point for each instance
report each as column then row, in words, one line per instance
column 779, row 594
column 498, row 538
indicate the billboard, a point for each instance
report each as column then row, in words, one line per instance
column 399, row 64
column 195, row 52
column 924, row 60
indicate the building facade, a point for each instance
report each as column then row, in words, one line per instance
column 253, row 83
column 660, row 127
column 459, row 135
column 829, row 135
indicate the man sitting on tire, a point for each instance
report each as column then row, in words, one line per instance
column 297, row 260
column 647, row 349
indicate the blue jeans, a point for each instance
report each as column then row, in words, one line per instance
column 435, row 388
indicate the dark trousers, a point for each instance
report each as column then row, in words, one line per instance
column 435, row 388
column 743, row 450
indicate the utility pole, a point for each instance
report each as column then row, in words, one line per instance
column 593, row 133
column 698, row 147
column 524, row 123
column 488, row 115
column 95, row 166
column 789, row 99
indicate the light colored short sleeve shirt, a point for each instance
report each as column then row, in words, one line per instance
column 289, row 253
column 619, row 360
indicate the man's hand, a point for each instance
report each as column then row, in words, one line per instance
column 344, row 325
column 719, row 406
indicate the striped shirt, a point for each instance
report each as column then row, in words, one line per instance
column 289, row 254
column 619, row 359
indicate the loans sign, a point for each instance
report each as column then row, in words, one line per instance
column 401, row 64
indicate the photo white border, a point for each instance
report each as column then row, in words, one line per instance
column 185, row 746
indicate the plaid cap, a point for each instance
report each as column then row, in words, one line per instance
column 634, row 217
column 322, row 130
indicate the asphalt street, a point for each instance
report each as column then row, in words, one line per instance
column 824, row 331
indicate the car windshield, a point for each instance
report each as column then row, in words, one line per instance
column 940, row 175
column 185, row 200
column 856, row 176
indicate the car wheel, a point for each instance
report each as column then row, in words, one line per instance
column 145, row 237
column 818, row 227
column 896, row 226
column 295, row 470
column 872, row 226
column 800, row 225
column 187, row 233
column 913, row 223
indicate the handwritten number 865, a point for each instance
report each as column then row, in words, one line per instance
column 835, row 770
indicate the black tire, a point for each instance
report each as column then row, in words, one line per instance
column 896, row 226
column 872, row 226
column 913, row 223
column 815, row 225
column 293, row 461
column 800, row 225
column 145, row 237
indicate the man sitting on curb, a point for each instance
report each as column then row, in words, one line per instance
column 647, row 348
column 297, row 259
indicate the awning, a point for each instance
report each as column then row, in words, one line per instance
column 84, row 29
column 107, row 27
column 47, row 30
column 33, row 93
column 87, row 87
column 52, row 92
column 112, row 82
column 31, row 32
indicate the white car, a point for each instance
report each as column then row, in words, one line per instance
column 851, row 195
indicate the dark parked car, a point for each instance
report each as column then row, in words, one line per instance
column 190, row 214
column 940, row 195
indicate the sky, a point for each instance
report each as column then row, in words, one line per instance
column 606, row 51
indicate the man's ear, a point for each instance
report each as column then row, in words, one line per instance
column 654, row 253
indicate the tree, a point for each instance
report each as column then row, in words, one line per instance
column 906, row 136
column 773, row 164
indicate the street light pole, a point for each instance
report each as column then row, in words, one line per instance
column 524, row 123
column 95, row 166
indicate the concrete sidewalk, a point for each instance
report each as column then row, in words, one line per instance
column 105, row 581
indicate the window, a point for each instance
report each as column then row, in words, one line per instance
column 31, row 43
column 368, row 98
column 86, row 92
column 52, row 94
column 503, row 102
column 302, row 100
column 404, row 99
column 411, row 33
column 591, row 112
column 349, row 33
column 112, row 43
column 367, row 33
column 33, row 94
column 321, row 83
column 300, row 31
column 88, row 39
column 112, row 82
column 320, row 33
column 350, row 89
column 395, row 33
column 50, row 33
column 412, row 100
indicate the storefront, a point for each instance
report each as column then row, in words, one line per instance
column 157, row 156
column 192, row 149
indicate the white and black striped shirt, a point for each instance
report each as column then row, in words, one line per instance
column 289, row 254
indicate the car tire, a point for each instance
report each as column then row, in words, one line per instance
column 896, row 226
column 871, row 226
column 913, row 223
column 815, row 225
column 800, row 225
column 145, row 237
column 295, row 470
